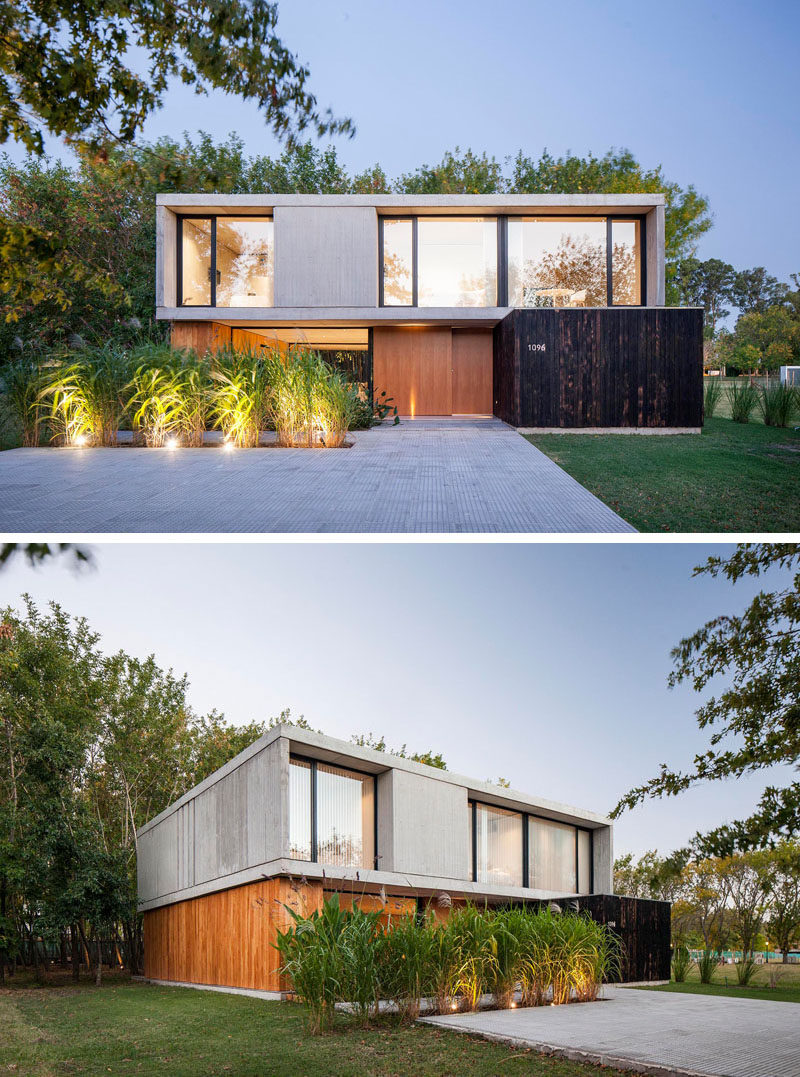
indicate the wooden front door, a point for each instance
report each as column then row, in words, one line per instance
column 473, row 356
column 434, row 371
column 414, row 366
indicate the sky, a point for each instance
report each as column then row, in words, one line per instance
column 707, row 90
column 545, row 663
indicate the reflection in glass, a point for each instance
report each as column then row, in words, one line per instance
column 626, row 263
column 551, row 856
column 244, row 262
column 457, row 261
column 557, row 262
column 499, row 845
column 196, row 263
column 397, row 263
column 299, row 810
column 584, row 862
column 345, row 817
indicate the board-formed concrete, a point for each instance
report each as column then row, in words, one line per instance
column 653, row 1032
column 425, row 475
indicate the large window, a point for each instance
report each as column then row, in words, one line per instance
column 512, row 848
column 331, row 814
column 547, row 261
column 226, row 261
column 497, row 845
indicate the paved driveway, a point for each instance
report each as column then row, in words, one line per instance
column 655, row 1032
column 425, row 475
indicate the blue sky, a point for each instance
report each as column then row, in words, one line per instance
column 705, row 89
column 542, row 663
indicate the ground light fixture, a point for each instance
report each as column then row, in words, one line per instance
column 172, row 443
column 80, row 441
column 228, row 446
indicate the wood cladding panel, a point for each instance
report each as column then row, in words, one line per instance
column 414, row 367
column 225, row 938
column 472, row 371
column 609, row 367
column 201, row 337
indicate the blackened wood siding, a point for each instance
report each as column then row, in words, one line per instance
column 613, row 367
column 641, row 925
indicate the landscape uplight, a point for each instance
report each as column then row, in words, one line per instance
column 172, row 443
column 80, row 440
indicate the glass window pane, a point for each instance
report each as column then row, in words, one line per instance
column 584, row 862
column 397, row 263
column 557, row 262
column 196, row 263
column 626, row 263
column 299, row 810
column 345, row 817
column 499, row 845
column 551, row 855
column 244, row 262
column 457, row 261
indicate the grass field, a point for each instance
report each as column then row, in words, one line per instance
column 132, row 1028
column 732, row 477
column 787, row 988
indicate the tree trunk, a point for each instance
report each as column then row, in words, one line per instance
column 76, row 953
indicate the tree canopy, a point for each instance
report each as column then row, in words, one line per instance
column 753, row 718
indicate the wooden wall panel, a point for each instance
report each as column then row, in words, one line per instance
column 635, row 367
column 414, row 366
column 472, row 371
column 392, row 907
column 202, row 337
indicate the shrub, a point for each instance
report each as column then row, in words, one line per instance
column 89, row 395
column 745, row 970
column 409, row 964
column 742, row 397
column 681, row 963
column 159, row 402
column 706, row 965
column 241, row 399
column 311, row 404
column 712, row 395
column 777, row 404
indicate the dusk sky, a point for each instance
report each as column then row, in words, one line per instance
column 545, row 664
column 707, row 90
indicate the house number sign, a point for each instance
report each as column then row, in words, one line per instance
column 536, row 347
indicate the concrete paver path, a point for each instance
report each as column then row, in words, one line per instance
column 655, row 1032
column 425, row 475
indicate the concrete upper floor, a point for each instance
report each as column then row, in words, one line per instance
column 299, row 803
column 395, row 259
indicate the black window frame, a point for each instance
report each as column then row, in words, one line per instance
column 313, row 763
column 526, row 816
column 502, row 252
column 213, row 217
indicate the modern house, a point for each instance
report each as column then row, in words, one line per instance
column 545, row 310
column 297, row 817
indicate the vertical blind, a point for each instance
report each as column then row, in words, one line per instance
column 345, row 809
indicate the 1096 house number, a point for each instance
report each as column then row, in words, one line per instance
column 536, row 347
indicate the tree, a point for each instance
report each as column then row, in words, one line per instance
column 37, row 552
column 458, row 173
column 763, row 340
column 706, row 284
column 780, row 872
column 747, row 896
column 754, row 290
column 754, row 720
column 651, row 876
column 701, row 905
column 64, row 68
column 378, row 744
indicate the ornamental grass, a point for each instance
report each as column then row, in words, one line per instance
column 518, row 957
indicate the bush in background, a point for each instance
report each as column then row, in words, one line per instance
column 742, row 397
column 777, row 403
column 712, row 395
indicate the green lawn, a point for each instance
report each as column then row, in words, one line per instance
column 732, row 477
column 787, row 988
column 132, row 1028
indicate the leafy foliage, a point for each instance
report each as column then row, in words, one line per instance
column 754, row 720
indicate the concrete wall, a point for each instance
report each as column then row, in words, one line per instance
column 166, row 258
column 427, row 831
column 326, row 257
column 229, row 825
column 603, row 860
column 654, row 257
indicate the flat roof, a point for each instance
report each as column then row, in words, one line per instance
column 345, row 753
column 410, row 203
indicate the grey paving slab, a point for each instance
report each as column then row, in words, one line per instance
column 425, row 475
column 654, row 1032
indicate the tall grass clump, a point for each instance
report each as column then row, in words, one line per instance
column 158, row 405
column 777, row 404
column 681, row 963
column 742, row 397
column 88, row 394
column 712, row 394
column 241, row 398
column 745, row 970
column 312, row 404
column 706, row 965
column 22, row 381
column 409, row 964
